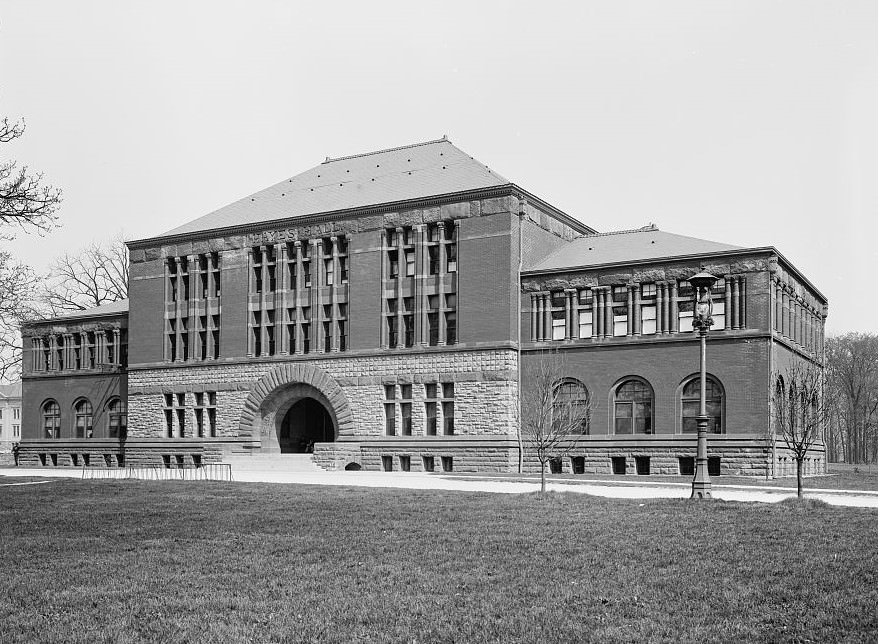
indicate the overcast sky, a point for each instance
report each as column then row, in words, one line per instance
column 750, row 123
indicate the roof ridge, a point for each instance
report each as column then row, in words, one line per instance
column 444, row 139
column 643, row 229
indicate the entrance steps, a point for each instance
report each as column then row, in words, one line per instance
column 272, row 462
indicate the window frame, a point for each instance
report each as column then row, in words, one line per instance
column 55, row 415
column 83, row 410
column 682, row 399
column 634, row 404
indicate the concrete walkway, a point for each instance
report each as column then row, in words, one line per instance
column 418, row 481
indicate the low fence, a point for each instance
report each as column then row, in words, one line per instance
column 206, row 472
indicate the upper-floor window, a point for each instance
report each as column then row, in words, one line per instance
column 585, row 299
column 571, row 405
column 632, row 407
column 620, row 311
column 691, row 404
column 51, row 419
column 647, row 309
column 84, row 419
column 117, row 419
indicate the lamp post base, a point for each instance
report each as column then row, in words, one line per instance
column 701, row 483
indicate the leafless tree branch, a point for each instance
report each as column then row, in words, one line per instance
column 96, row 275
column 25, row 201
column 800, row 411
column 555, row 411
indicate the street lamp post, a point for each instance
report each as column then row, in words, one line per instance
column 702, row 320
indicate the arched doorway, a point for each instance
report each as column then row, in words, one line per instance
column 306, row 422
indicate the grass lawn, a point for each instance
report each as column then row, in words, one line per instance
column 119, row 561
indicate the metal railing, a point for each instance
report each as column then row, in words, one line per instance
column 205, row 472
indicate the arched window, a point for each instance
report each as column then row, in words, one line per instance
column 52, row 419
column 84, row 419
column 117, row 419
column 572, row 406
column 633, row 407
column 713, row 398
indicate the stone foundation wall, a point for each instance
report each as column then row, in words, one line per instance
column 370, row 457
column 485, row 385
column 734, row 461
column 61, row 455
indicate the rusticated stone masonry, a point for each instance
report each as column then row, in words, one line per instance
column 485, row 383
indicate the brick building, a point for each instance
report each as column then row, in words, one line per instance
column 379, row 310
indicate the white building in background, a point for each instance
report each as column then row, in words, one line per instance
column 10, row 415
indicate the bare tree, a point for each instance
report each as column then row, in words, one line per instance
column 25, row 201
column 852, row 376
column 555, row 410
column 26, row 204
column 800, row 411
column 96, row 275
column 18, row 287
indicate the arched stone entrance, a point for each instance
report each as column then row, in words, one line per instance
column 303, row 420
column 295, row 406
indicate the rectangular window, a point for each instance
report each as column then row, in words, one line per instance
column 393, row 263
column 578, row 464
column 409, row 263
column 387, row 463
column 451, row 327
column 719, row 315
column 452, row 257
column 448, row 417
column 405, row 412
column 713, row 465
column 559, row 325
column 447, row 463
column 390, row 419
column 343, row 268
column 687, row 465
column 585, row 324
column 306, row 338
column 405, row 463
column 342, row 335
column 433, row 254
column 306, row 273
column 647, row 291
column 429, row 464
column 392, row 331
column 390, row 392
column 328, row 272
column 641, row 465
column 685, row 309
column 647, row 320
column 433, row 328
column 618, row 463
column 430, row 411
column 620, row 321
column 16, row 413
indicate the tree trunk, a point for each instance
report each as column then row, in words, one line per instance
column 799, row 477
column 543, row 477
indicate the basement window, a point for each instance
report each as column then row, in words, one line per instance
column 687, row 465
column 641, row 464
column 429, row 464
column 447, row 463
column 618, row 463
